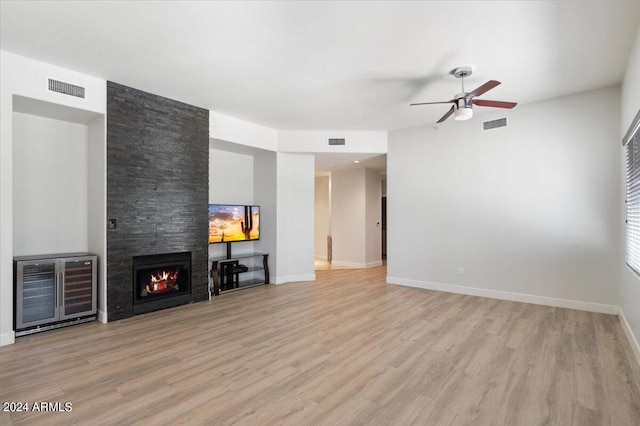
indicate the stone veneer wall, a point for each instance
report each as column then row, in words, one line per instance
column 157, row 188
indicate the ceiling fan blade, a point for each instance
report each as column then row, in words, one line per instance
column 482, row 89
column 433, row 103
column 444, row 117
column 495, row 104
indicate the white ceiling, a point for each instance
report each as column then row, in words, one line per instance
column 330, row 65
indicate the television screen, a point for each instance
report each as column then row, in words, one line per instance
column 229, row 223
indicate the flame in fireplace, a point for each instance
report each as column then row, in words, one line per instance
column 161, row 281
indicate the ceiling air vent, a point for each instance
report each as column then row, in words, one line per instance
column 336, row 141
column 494, row 124
column 66, row 88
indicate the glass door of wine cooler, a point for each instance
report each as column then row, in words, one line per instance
column 37, row 283
column 78, row 295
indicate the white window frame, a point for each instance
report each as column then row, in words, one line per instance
column 632, row 141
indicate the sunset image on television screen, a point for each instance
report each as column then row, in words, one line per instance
column 233, row 223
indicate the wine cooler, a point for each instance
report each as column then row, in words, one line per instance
column 54, row 291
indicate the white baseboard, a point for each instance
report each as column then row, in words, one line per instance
column 357, row 264
column 102, row 316
column 320, row 257
column 348, row 264
column 629, row 333
column 506, row 295
column 7, row 338
column 293, row 279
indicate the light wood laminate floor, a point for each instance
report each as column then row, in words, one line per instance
column 346, row 349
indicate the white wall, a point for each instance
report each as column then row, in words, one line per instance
column 230, row 182
column 26, row 78
column 373, row 218
column 97, row 206
column 322, row 224
column 230, row 178
column 295, row 223
column 356, row 228
column 630, row 98
column 348, row 198
column 265, row 195
column 630, row 283
column 50, row 185
column 242, row 132
column 527, row 210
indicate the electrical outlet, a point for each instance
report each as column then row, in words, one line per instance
column 461, row 271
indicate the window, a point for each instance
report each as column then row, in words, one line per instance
column 632, row 140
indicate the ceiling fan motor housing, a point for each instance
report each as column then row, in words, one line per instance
column 464, row 108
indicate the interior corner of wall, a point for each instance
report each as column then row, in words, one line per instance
column 7, row 338
column 628, row 331
column 277, row 280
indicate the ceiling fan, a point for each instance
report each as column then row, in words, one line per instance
column 463, row 102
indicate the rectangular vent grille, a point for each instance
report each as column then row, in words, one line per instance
column 493, row 124
column 337, row 141
column 66, row 88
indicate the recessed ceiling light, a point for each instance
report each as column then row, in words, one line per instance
column 356, row 161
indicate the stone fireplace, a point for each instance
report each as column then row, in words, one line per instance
column 161, row 281
column 157, row 202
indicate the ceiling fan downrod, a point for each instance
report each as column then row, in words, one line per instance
column 463, row 107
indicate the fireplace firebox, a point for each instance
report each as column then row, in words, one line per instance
column 161, row 281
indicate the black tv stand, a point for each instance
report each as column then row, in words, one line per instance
column 228, row 250
column 228, row 274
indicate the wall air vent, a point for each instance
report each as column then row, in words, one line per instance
column 337, row 141
column 66, row 88
column 494, row 124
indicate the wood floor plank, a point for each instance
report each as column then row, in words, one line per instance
column 347, row 349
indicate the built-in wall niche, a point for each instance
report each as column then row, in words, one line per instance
column 59, row 183
column 245, row 175
column 230, row 182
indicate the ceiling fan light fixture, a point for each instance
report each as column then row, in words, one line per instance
column 462, row 108
column 462, row 113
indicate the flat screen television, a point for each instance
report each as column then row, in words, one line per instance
column 230, row 223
